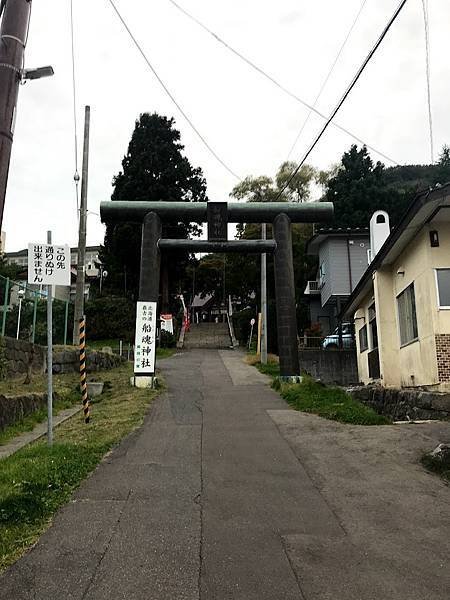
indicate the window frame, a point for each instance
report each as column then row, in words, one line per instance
column 438, row 301
column 414, row 339
column 372, row 320
column 361, row 349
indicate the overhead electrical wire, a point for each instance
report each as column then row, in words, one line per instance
column 76, row 176
column 427, row 62
column 165, row 88
column 325, row 81
column 277, row 83
column 345, row 95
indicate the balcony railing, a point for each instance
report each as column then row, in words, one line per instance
column 312, row 287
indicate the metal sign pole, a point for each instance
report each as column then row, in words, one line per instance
column 49, row 358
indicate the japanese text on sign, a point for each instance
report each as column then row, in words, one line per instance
column 145, row 341
column 48, row 264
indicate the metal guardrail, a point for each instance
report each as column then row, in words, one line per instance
column 23, row 313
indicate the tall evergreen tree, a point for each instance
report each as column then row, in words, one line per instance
column 154, row 169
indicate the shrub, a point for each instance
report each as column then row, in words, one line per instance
column 110, row 317
column 167, row 339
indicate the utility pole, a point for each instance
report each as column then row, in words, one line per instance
column 263, row 300
column 49, row 357
column 13, row 38
column 81, row 260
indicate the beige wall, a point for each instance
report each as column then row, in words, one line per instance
column 417, row 360
column 361, row 319
column 387, row 327
column 415, row 363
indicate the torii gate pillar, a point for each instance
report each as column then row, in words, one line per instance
column 285, row 298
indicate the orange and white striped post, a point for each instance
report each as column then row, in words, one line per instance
column 83, row 383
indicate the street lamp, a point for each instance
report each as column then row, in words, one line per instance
column 39, row 73
column 21, row 294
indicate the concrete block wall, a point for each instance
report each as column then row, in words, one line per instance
column 336, row 367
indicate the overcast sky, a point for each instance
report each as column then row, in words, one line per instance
column 249, row 122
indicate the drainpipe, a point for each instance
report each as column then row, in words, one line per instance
column 349, row 266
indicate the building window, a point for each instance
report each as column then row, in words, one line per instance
column 443, row 286
column 322, row 275
column 363, row 345
column 373, row 326
column 406, row 303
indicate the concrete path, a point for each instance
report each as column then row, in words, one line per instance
column 39, row 431
column 224, row 494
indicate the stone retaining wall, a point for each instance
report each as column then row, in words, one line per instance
column 17, row 354
column 330, row 366
column 67, row 361
column 15, row 408
column 402, row 405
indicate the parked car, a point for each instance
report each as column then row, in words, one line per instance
column 331, row 342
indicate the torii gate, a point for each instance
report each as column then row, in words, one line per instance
column 218, row 214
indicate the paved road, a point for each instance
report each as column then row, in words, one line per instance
column 217, row 497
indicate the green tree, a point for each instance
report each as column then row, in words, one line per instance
column 358, row 187
column 154, row 169
column 299, row 186
column 444, row 156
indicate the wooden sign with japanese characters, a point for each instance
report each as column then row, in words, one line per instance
column 48, row 264
column 145, row 341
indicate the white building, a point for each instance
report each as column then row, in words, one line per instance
column 92, row 264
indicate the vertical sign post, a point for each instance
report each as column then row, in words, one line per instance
column 145, row 344
column 49, row 265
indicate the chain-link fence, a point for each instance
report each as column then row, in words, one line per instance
column 24, row 313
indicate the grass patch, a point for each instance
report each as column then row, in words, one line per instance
column 37, row 480
column 329, row 402
column 313, row 397
column 165, row 352
column 440, row 466
column 66, row 386
column 272, row 368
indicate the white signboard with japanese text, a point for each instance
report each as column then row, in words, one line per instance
column 167, row 323
column 145, row 341
column 48, row 264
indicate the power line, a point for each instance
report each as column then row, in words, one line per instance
column 325, row 81
column 277, row 83
column 163, row 85
column 344, row 97
column 427, row 61
column 76, row 176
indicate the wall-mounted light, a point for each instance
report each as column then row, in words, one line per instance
column 434, row 239
column 401, row 271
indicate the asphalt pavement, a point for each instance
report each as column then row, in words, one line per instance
column 219, row 497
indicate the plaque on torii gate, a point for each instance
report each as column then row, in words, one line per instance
column 218, row 215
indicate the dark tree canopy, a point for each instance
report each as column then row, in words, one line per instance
column 358, row 187
column 153, row 169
